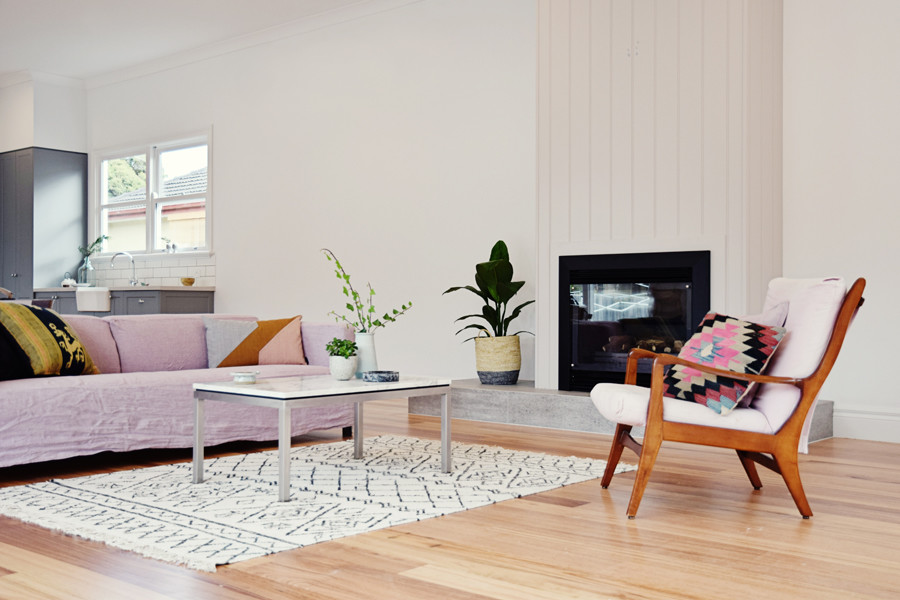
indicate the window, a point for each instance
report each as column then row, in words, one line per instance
column 155, row 199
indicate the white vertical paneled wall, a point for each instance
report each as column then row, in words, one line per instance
column 659, row 128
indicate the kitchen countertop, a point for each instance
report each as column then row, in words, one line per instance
column 139, row 288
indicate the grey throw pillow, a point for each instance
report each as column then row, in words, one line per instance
column 223, row 336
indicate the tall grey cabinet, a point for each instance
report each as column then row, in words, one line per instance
column 43, row 217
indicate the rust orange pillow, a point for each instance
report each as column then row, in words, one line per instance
column 276, row 341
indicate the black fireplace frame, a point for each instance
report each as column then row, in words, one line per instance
column 644, row 267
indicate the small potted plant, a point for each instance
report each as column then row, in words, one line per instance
column 342, row 358
column 498, row 356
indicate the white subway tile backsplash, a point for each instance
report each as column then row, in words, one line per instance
column 158, row 270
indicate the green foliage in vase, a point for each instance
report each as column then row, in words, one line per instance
column 341, row 347
column 363, row 317
column 496, row 288
column 95, row 247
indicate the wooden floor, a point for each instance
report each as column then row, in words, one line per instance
column 701, row 532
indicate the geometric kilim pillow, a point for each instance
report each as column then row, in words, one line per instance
column 36, row 342
column 725, row 343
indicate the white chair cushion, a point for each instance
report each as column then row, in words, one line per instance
column 627, row 404
column 814, row 305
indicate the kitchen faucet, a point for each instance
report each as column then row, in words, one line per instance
column 133, row 281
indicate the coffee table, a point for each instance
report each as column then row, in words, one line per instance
column 285, row 393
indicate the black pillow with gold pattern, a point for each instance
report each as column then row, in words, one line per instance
column 36, row 342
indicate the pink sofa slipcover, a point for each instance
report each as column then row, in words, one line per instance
column 128, row 406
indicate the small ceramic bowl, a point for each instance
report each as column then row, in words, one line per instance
column 187, row 281
column 381, row 376
column 245, row 376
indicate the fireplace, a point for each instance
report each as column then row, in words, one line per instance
column 611, row 303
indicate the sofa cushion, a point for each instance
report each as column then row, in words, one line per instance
column 159, row 342
column 98, row 341
column 317, row 335
column 35, row 341
column 726, row 343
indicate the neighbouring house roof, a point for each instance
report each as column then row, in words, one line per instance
column 183, row 185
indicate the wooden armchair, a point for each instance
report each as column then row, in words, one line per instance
column 774, row 427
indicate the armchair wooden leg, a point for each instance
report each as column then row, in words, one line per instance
column 790, row 471
column 650, row 449
column 615, row 453
column 750, row 468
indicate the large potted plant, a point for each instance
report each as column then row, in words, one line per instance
column 361, row 316
column 498, row 356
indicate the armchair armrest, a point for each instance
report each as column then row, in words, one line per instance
column 669, row 359
column 660, row 361
column 631, row 365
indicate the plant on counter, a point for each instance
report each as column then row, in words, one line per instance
column 93, row 248
column 362, row 315
column 496, row 288
column 341, row 347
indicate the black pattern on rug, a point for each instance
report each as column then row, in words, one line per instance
column 234, row 514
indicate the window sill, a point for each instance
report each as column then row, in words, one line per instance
column 158, row 256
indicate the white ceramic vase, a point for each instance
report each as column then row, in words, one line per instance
column 342, row 368
column 365, row 349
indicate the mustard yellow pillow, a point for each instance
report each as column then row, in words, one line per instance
column 35, row 342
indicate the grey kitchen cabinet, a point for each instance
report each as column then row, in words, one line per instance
column 43, row 208
column 16, row 223
column 138, row 302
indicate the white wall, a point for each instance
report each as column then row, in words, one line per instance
column 16, row 115
column 841, row 182
column 659, row 125
column 59, row 108
column 42, row 110
column 403, row 141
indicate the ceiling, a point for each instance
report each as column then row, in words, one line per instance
column 86, row 38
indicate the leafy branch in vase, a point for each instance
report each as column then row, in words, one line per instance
column 362, row 314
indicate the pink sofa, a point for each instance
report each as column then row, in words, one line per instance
column 143, row 397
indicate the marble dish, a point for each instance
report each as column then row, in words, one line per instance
column 245, row 376
column 380, row 376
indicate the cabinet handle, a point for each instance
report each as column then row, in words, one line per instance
column 54, row 297
column 13, row 274
column 140, row 300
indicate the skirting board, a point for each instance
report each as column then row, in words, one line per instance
column 877, row 426
column 523, row 404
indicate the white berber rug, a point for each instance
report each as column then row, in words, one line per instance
column 234, row 514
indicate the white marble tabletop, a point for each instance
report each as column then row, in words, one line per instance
column 317, row 385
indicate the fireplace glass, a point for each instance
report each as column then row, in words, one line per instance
column 609, row 319
column 642, row 301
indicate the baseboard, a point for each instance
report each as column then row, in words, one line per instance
column 874, row 425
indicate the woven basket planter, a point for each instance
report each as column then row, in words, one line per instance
column 498, row 359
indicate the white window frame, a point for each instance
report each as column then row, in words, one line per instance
column 152, row 151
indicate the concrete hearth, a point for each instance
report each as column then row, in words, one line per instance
column 522, row 404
